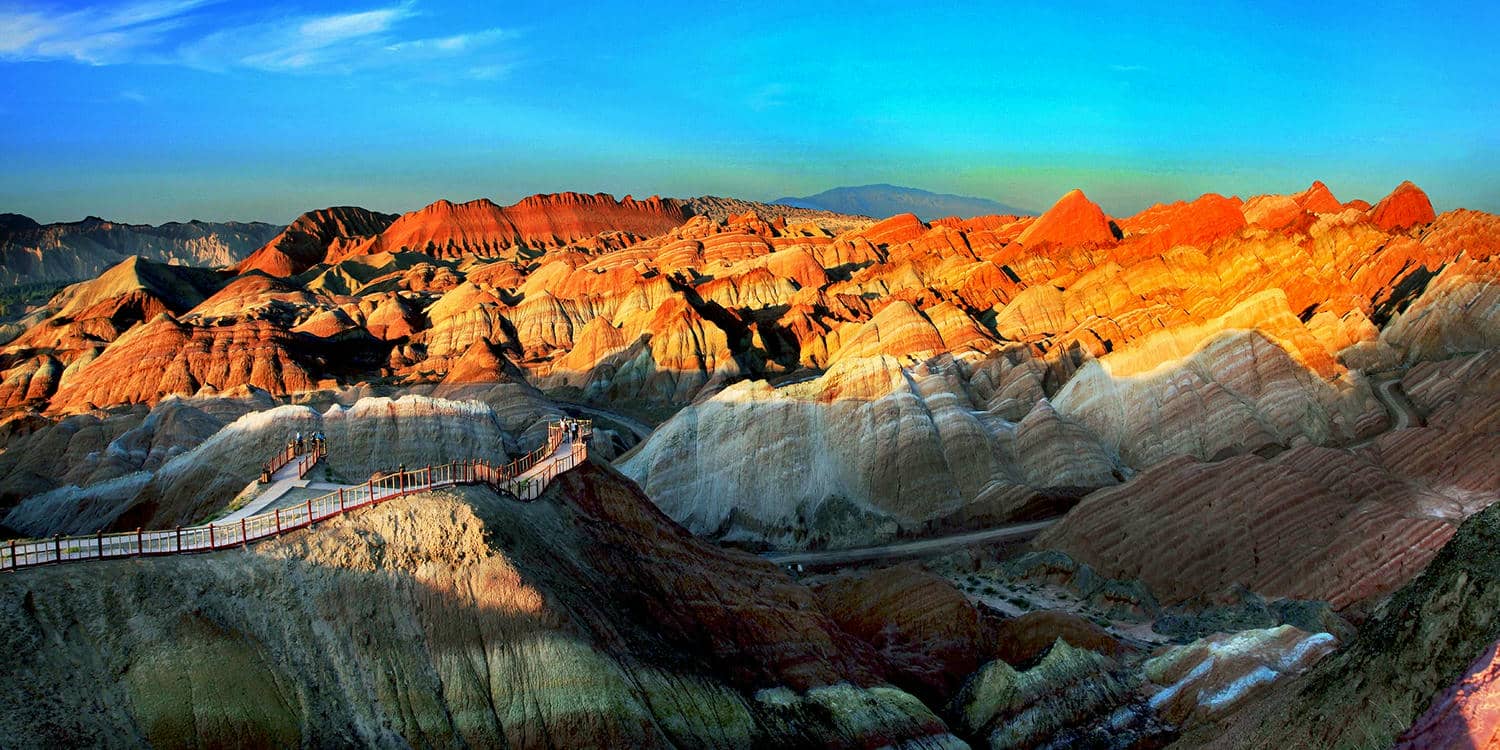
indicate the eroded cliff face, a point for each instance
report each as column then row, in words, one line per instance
column 1310, row 522
column 583, row 619
column 868, row 450
column 974, row 377
column 65, row 252
column 1400, row 679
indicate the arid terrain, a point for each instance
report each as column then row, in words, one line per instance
column 1219, row 473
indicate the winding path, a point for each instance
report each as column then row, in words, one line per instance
column 525, row 478
column 915, row 548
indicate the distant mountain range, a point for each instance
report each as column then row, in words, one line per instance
column 880, row 201
column 71, row 251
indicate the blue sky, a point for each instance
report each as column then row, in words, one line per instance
column 175, row 109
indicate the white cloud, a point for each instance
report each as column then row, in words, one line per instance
column 93, row 35
column 455, row 44
column 170, row 32
column 336, row 28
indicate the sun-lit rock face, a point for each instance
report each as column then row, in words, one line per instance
column 585, row 619
column 869, row 448
column 449, row 230
column 1466, row 713
column 313, row 237
column 167, row 357
column 93, row 313
column 1208, row 328
column 1073, row 220
column 1318, row 199
column 1198, row 223
column 1407, row 206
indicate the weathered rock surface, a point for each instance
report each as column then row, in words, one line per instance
column 929, row 636
column 1407, row 206
column 32, row 253
column 583, row 619
column 866, row 450
column 1072, row 220
column 448, row 230
column 1426, row 638
column 313, row 237
column 1209, row 679
column 1310, row 522
column 1466, row 714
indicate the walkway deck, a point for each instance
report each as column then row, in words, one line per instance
column 525, row 478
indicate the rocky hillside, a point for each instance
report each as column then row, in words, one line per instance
column 585, row 619
column 314, row 236
column 1321, row 523
column 972, row 373
column 842, row 386
column 72, row 251
column 1419, row 674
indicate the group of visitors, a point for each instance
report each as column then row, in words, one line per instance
column 299, row 445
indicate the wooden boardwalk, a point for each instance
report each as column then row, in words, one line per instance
column 525, row 479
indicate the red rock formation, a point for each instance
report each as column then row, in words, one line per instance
column 1073, row 220
column 925, row 631
column 1198, row 223
column 1407, row 206
column 166, row 357
column 480, row 364
column 308, row 241
column 1313, row 523
column 1318, row 199
column 448, row 230
column 895, row 230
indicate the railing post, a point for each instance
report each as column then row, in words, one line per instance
column 179, row 538
column 341, row 499
column 429, row 476
column 309, row 511
column 57, row 546
column 139, row 548
column 211, row 544
column 13, row 560
column 278, row 521
column 244, row 538
column 372, row 491
column 99, row 543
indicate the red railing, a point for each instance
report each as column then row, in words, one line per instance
column 306, row 464
column 281, row 459
column 25, row 553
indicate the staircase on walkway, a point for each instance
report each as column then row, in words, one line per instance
column 525, row 479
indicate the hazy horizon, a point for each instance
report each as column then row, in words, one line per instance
column 171, row 110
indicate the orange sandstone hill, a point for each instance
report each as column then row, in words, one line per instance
column 312, row 237
column 1404, row 208
column 481, row 228
column 477, row 228
column 1073, row 220
column 828, row 381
